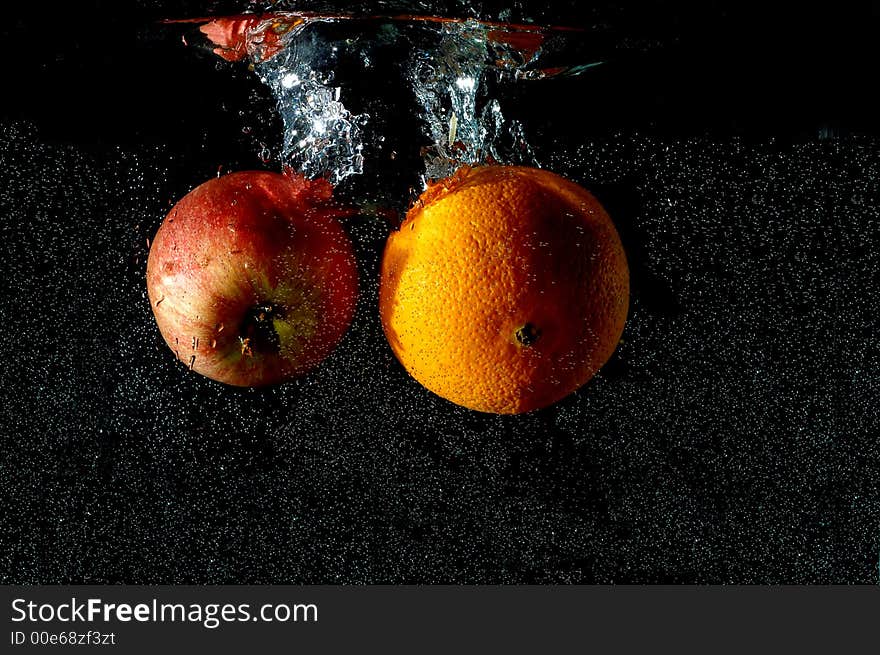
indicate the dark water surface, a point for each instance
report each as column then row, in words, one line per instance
column 734, row 437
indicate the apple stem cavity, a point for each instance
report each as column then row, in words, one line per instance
column 257, row 333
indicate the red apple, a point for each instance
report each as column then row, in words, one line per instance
column 252, row 278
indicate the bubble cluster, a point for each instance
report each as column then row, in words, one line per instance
column 322, row 138
column 732, row 438
column 451, row 76
column 451, row 70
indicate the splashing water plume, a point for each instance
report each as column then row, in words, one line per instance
column 453, row 69
column 321, row 136
column 450, row 80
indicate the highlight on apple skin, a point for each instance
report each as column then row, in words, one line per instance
column 252, row 278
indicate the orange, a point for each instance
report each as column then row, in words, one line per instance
column 505, row 288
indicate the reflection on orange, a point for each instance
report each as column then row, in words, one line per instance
column 232, row 36
column 259, row 35
column 526, row 44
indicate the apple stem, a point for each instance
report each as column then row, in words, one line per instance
column 257, row 333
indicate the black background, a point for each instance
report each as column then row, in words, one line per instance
column 733, row 437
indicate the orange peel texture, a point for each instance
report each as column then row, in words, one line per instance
column 505, row 289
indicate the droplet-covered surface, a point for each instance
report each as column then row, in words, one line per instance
column 732, row 438
column 503, row 247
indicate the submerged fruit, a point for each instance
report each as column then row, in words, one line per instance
column 252, row 278
column 505, row 289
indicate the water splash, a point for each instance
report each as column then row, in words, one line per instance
column 456, row 70
column 321, row 136
column 452, row 79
